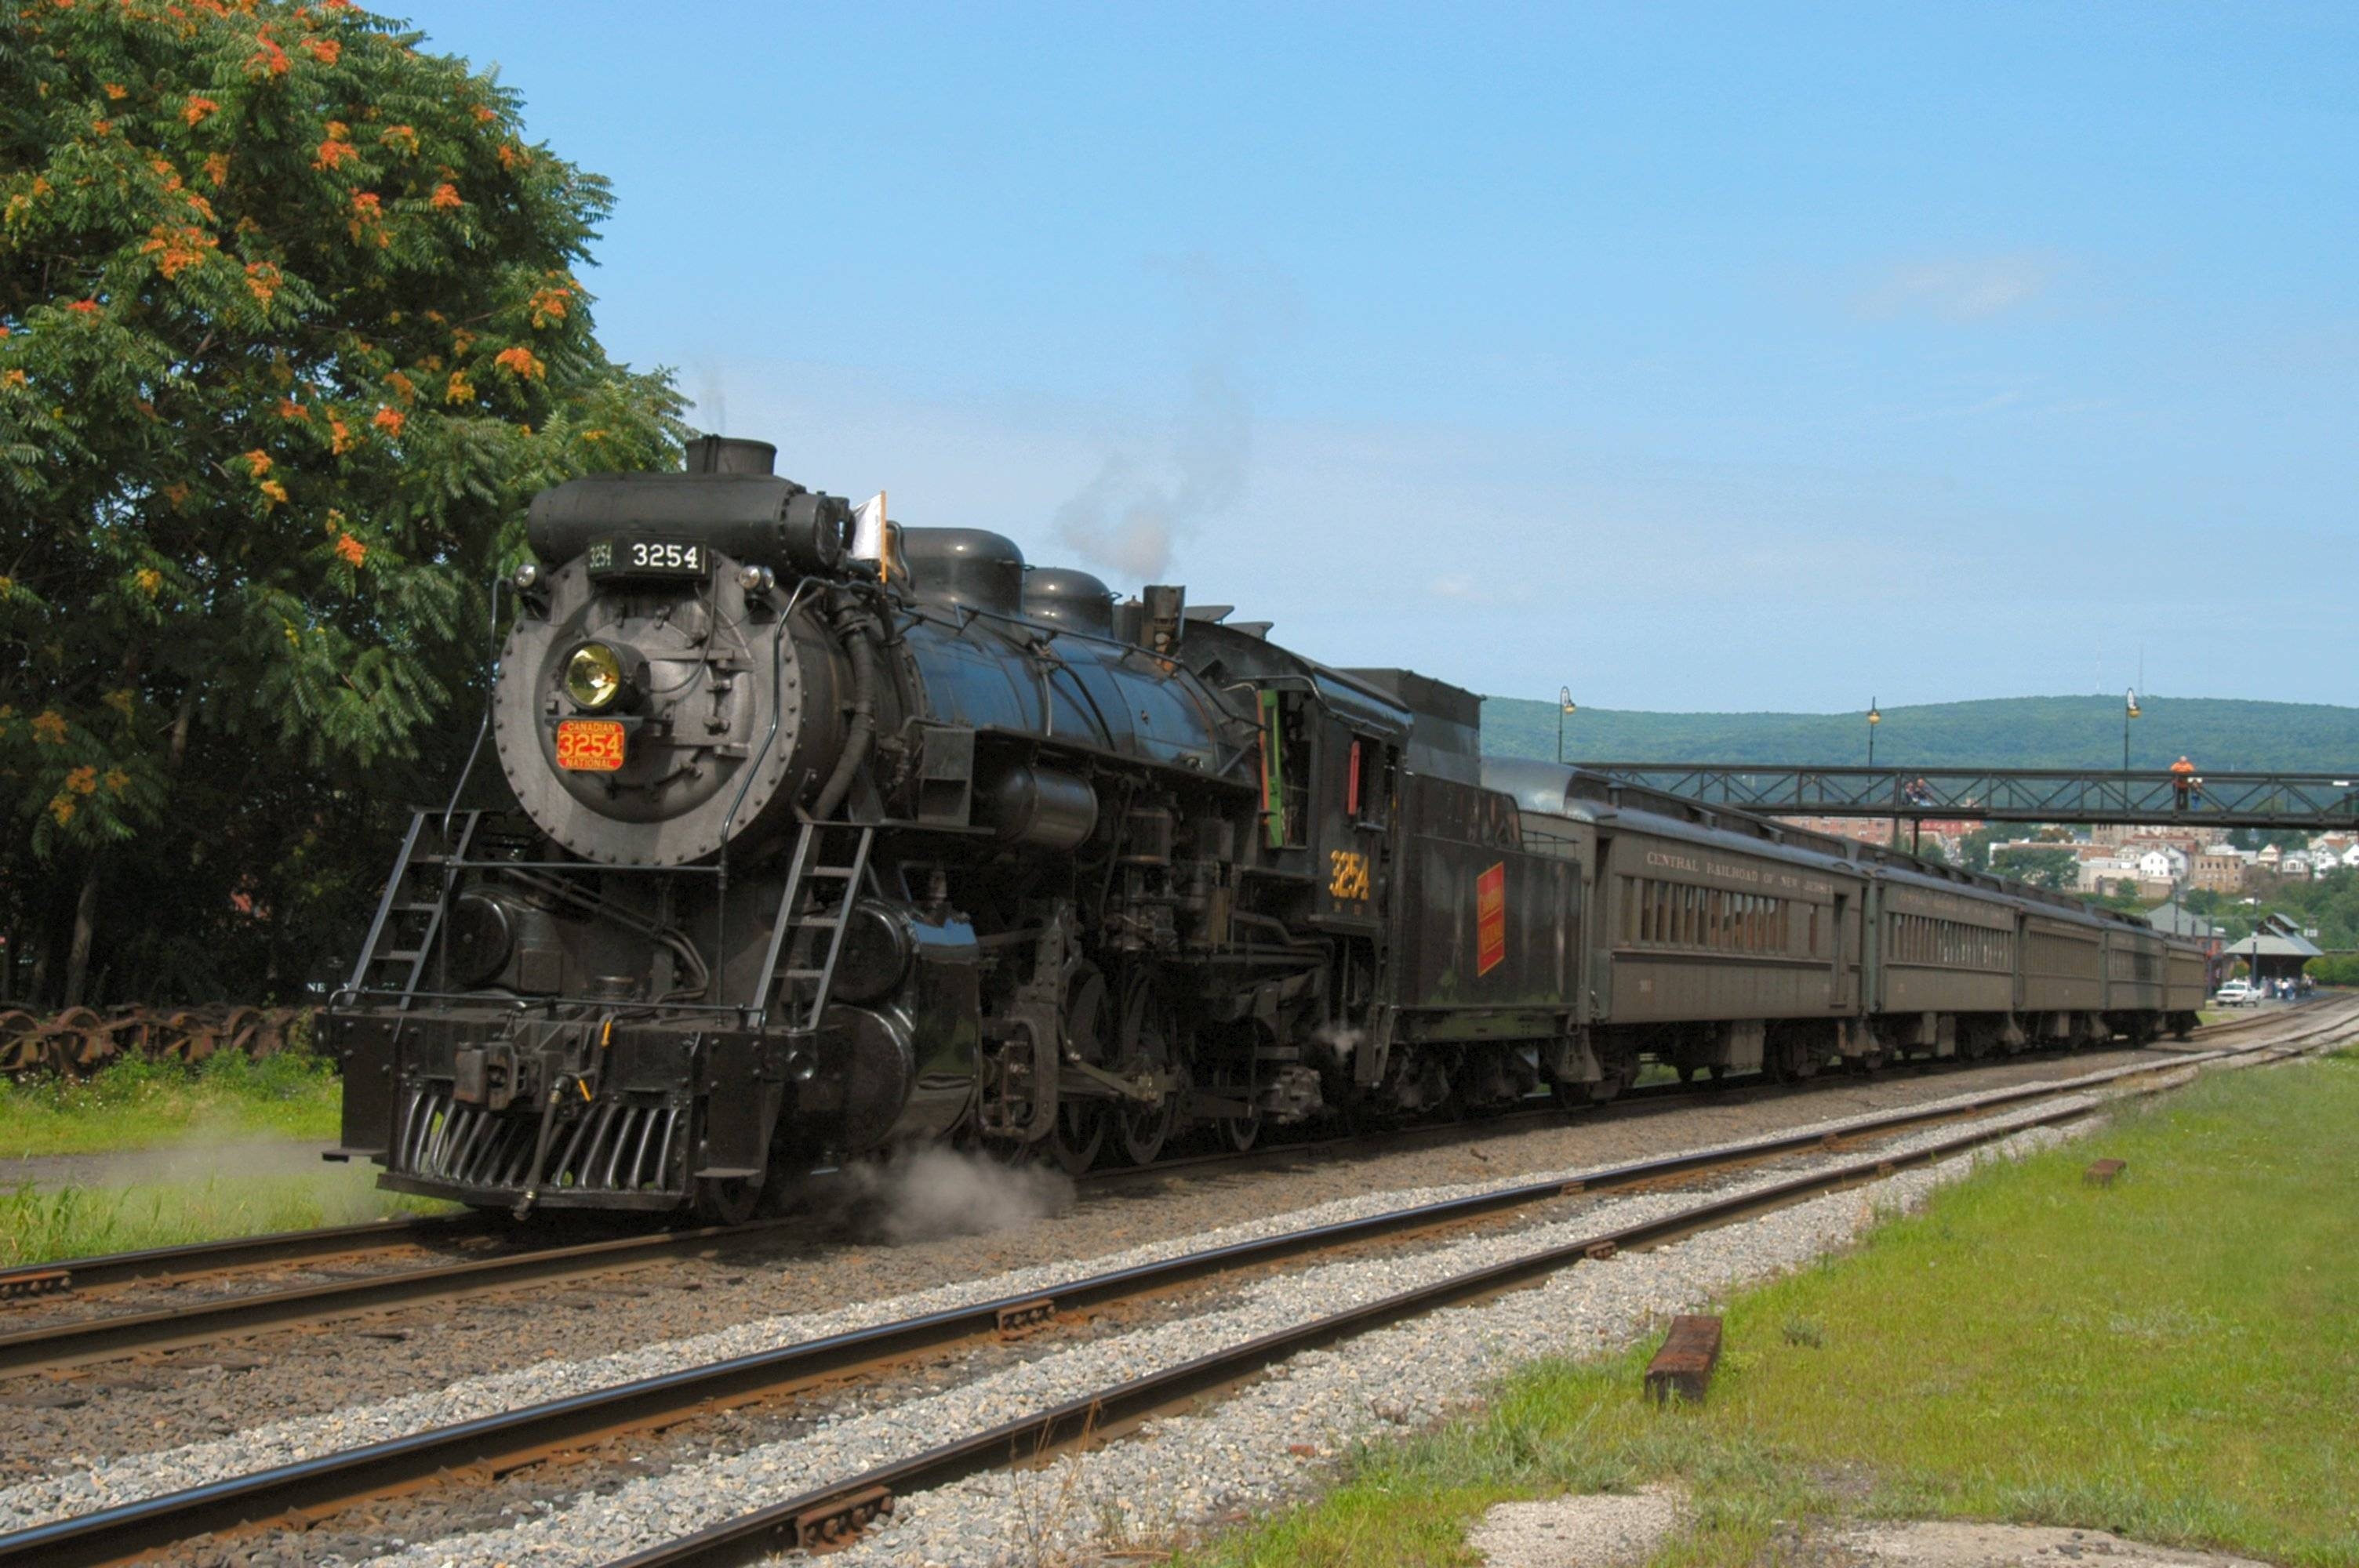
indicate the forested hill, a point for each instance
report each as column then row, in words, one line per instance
column 2220, row 735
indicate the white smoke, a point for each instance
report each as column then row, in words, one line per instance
column 1341, row 1039
column 930, row 1192
column 1129, row 517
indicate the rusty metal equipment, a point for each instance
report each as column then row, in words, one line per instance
column 79, row 1041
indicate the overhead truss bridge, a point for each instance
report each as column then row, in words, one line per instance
column 2313, row 801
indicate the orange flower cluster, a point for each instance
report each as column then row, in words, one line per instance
column 290, row 409
column 446, row 196
column 403, row 387
column 351, row 549
column 82, row 780
column 217, row 168
column 549, row 305
column 368, row 216
column 335, row 149
column 274, row 490
column 460, row 390
column 149, row 580
column 257, row 462
column 49, row 728
column 117, row 780
column 62, row 807
column 325, row 50
column 178, row 250
column 86, row 307
column 262, row 279
column 268, row 58
column 519, row 361
column 388, row 420
column 177, row 494
column 340, row 435
column 401, row 138
column 197, row 108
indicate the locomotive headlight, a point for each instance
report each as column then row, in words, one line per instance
column 755, row 579
column 593, row 677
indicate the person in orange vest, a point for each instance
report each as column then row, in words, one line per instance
column 2183, row 781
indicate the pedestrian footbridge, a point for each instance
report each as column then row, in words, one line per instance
column 2312, row 801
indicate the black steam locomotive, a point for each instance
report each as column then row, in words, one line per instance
column 801, row 856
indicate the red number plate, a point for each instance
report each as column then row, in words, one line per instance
column 590, row 745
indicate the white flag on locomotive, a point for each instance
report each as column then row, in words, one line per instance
column 868, row 532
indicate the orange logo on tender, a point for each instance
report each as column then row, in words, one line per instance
column 1491, row 919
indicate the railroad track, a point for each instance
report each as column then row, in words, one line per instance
column 495, row 1444
column 60, row 1346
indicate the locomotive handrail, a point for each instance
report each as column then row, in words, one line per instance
column 483, row 726
column 720, row 867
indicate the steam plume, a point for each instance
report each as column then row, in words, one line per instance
column 1128, row 518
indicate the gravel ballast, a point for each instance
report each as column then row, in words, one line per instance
column 1261, row 1445
column 81, row 1482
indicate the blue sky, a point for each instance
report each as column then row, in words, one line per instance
column 1694, row 357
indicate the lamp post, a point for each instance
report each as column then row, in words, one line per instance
column 1873, row 719
column 2129, row 711
column 1564, row 705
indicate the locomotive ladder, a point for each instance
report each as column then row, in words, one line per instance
column 417, row 910
column 822, row 883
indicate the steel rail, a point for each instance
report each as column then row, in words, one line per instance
column 58, row 1346
column 513, row 1438
column 195, row 1258
column 73, row 1344
column 828, row 1515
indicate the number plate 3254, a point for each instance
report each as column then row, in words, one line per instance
column 590, row 745
column 647, row 558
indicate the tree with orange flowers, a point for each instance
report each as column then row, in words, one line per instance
column 290, row 330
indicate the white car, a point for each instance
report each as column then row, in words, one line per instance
column 2238, row 994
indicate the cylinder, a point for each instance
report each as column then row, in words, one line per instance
column 1039, row 808
column 875, row 957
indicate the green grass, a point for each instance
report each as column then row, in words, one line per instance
column 2175, row 1358
column 139, row 1104
column 41, row 1227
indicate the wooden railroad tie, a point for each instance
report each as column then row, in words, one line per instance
column 1683, row 1365
column 2100, row 1173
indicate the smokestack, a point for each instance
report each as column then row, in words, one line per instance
column 728, row 454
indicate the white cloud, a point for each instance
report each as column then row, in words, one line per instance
column 1959, row 288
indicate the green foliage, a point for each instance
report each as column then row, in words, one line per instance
column 2219, row 734
column 2056, row 869
column 289, row 330
column 2173, row 1358
column 136, row 1103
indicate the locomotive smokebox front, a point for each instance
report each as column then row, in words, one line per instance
column 671, row 683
